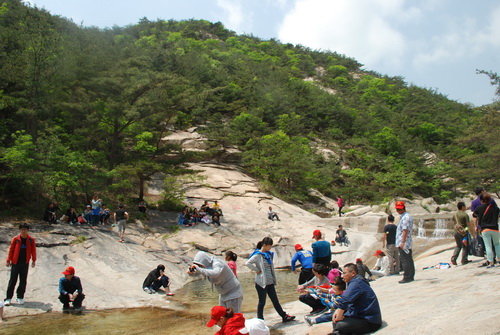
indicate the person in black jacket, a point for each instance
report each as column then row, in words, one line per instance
column 70, row 290
column 486, row 216
column 156, row 281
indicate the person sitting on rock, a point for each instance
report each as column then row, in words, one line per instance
column 87, row 214
column 330, row 298
column 157, row 281
column 334, row 272
column 206, row 208
column 358, row 312
column 382, row 267
column 70, row 290
column 341, row 236
column 216, row 207
column 271, row 215
column 50, row 214
column 308, row 297
column 363, row 269
column 216, row 219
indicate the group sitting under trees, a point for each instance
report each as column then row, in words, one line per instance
column 191, row 216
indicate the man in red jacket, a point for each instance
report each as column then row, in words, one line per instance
column 22, row 249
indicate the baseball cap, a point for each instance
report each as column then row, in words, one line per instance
column 400, row 205
column 298, row 247
column 69, row 271
column 317, row 233
column 216, row 314
column 378, row 253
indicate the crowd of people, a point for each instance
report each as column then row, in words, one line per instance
column 191, row 216
column 341, row 295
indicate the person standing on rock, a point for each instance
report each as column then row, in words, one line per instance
column 265, row 279
column 305, row 258
column 22, row 249
column 221, row 276
column 476, row 202
column 340, row 204
column 462, row 220
column 70, row 290
column 120, row 216
column 486, row 217
column 404, row 242
column 96, row 209
column 358, row 312
column 389, row 243
column 322, row 254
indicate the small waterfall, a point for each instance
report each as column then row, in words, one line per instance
column 440, row 229
column 421, row 229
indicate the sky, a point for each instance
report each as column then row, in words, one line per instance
column 436, row 44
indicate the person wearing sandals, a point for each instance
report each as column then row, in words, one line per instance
column 265, row 279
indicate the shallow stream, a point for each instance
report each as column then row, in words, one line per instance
column 195, row 299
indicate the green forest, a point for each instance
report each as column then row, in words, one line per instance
column 83, row 110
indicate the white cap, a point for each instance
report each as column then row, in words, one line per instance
column 255, row 327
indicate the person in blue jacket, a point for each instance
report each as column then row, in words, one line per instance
column 305, row 258
column 322, row 254
column 359, row 311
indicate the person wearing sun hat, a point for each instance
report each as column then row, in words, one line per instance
column 230, row 323
column 382, row 266
column 322, row 253
column 305, row 259
column 70, row 290
column 404, row 242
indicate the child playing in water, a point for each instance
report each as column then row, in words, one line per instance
column 231, row 258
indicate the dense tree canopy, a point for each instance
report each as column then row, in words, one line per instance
column 84, row 110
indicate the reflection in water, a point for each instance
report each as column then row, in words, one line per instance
column 197, row 297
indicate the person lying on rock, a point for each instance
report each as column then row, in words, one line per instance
column 157, row 281
column 309, row 297
column 70, row 290
column 221, row 276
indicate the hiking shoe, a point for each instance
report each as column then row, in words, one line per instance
column 318, row 311
column 288, row 318
column 404, row 281
column 309, row 320
column 148, row 290
column 20, row 301
column 7, row 302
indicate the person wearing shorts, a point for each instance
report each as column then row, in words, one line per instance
column 121, row 217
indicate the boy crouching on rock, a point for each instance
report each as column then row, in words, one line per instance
column 70, row 290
